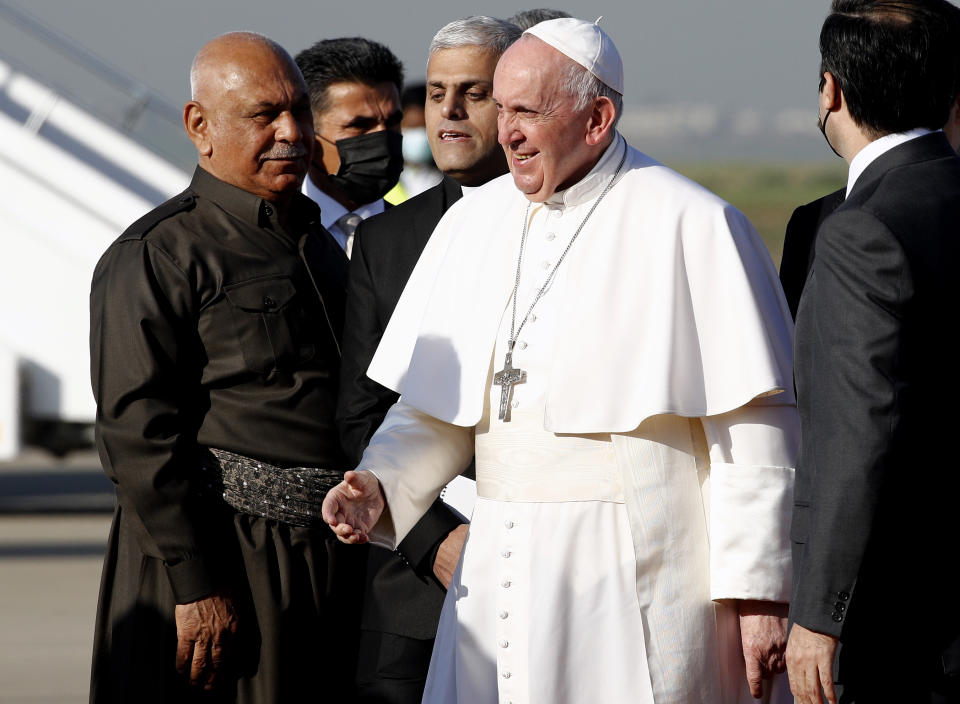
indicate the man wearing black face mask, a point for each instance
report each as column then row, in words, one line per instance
column 354, row 87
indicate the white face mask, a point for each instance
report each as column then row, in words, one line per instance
column 416, row 147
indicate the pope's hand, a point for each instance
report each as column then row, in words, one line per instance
column 763, row 635
column 810, row 665
column 353, row 506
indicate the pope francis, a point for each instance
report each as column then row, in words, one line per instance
column 611, row 341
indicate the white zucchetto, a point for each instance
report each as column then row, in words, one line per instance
column 586, row 44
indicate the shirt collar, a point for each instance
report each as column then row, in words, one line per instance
column 594, row 182
column 875, row 150
column 236, row 201
column 331, row 210
column 253, row 209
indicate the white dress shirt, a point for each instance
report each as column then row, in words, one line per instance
column 331, row 211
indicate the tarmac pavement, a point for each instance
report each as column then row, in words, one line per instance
column 54, row 520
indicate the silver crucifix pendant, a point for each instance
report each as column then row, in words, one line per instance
column 505, row 379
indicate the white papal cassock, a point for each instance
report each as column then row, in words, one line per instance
column 646, row 475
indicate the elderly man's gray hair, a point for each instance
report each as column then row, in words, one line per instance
column 528, row 18
column 586, row 88
column 479, row 30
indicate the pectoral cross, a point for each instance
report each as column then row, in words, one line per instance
column 505, row 379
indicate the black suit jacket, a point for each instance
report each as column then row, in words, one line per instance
column 874, row 527
column 798, row 244
column 386, row 248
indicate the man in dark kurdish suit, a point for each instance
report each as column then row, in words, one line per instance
column 405, row 591
column 215, row 328
column 874, row 524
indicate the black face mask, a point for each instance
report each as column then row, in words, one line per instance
column 369, row 165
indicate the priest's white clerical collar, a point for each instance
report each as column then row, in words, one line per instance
column 875, row 150
column 590, row 185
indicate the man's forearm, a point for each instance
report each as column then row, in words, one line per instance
column 413, row 455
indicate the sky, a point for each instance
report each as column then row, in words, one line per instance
column 723, row 71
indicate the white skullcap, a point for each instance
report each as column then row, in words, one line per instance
column 586, row 44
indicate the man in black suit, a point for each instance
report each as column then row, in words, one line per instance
column 875, row 494
column 405, row 591
column 354, row 85
column 798, row 241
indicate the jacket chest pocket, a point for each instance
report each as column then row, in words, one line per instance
column 263, row 310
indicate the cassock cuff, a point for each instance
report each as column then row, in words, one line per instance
column 190, row 579
column 425, row 537
column 750, row 510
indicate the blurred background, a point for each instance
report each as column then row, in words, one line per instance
column 90, row 139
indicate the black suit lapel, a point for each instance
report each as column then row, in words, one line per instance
column 441, row 197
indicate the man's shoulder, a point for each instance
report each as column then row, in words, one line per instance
column 818, row 209
column 807, row 218
column 645, row 178
column 390, row 218
column 908, row 178
column 183, row 202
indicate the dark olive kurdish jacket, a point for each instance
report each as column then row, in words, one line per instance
column 212, row 325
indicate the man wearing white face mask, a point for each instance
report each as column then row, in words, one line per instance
column 420, row 173
column 354, row 87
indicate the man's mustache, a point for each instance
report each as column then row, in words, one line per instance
column 282, row 150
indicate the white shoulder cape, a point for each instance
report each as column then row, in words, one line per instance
column 672, row 305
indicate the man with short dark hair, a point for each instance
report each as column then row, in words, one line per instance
column 800, row 236
column 405, row 591
column 215, row 328
column 874, row 517
column 354, row 86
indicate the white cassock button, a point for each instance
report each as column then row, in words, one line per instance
column 544, row 265
column 503, row 614
column 505, row 675
column 508, row 524
column 506, row 553
column 551, row 237
column 504, row 644
column 523, row 345
column 505, row 584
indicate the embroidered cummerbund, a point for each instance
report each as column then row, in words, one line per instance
column 286, row 494
column 520, row 461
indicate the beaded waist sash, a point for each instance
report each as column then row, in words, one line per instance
column 287, row 494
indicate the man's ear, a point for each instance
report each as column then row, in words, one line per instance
column 831, row 95
column 198, row 127
column 601, row 120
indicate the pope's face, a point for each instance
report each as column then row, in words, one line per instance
column 461, row 116
column 541, row 131
column 259, row 128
